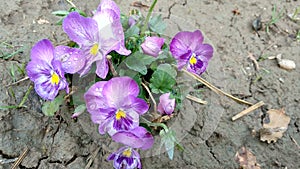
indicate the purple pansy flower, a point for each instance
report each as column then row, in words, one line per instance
column 114, row 104
column 126, row 158
column 45, row 71
column 166, row 105
column 97, row 36
column 188, row 49
column 138, row 137
column 152, row 45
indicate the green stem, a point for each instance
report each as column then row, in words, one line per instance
column 25, row 97
column 145, row 26
column 155, row 124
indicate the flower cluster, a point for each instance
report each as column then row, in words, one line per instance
column 118, row 103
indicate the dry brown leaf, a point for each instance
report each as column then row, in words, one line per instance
column 246, row 159
column 275, row 124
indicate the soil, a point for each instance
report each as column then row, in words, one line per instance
column 207, row 133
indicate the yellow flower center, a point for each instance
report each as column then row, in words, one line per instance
column 193, row 60
column 127, row 153
column 94, row 49
column 54, row 78
column 120, row 114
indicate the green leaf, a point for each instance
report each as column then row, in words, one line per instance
column 161, row 82
column 169, row 69
column 132, row 31
column 50, row 107
column 168, row 140
column 80, row 109
column 60, row 13
column 138, row 62
column 157, row 24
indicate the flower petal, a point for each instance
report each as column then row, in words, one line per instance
column 71, row 58
column 36, row 68
column 138, row 137
column 204, row 50
column 166, row 104
column 94, row 98
column 111, row 32
column 42, row 50
column 152, row 45
column 138, row 105
column 83, row 31
column 184, row 41
column 102, row 68
column 109, row 4
column 118, row 88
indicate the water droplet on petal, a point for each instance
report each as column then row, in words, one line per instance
column 75, row 59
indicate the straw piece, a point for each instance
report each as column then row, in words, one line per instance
column 248, row 110
column 20, row 159
column 196, row 99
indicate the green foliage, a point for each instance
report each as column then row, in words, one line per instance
column 50, row 107
column 161, row 82
column 276, row 16
column 63, row 14
column 168, row 140
column 157, row 24
column 139, row 62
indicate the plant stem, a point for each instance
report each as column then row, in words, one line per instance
column 145, row 26
column 26, row 96
column 155, row 124
column 151, row 96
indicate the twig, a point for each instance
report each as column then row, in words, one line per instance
column 250, row 55
column 20, row 159
column 195, row 99
column 248, row 110
column 152, row 98
column 92, row 158
column 295, row 142
column 111, row 66
column 19, row 81
column 71, row 3
column 215, row 89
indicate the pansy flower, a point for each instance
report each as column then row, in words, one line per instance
column 188, row 49
column 152, row 45
column 138, row 137
column 114, row 104
column 45, row 71
column 126, row 158
column 97, row 36
column 166, row 105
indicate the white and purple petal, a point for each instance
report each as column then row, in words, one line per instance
column 166, row 104
column 72, row 59
column 138, row 137
column 42, row 50
column 126, row 157
column 152, row 45
column 119, row 88
column 82, row 30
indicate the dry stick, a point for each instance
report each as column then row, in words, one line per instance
column 19, row 81
column 295, row 142
column 71, row 3
column 215, row 89
column 92, row 158
column 196, row 99
column 22, row 156
column 111, row 66
column 152, row 98
column 248, row 110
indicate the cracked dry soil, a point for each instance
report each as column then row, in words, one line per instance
column 210, row 138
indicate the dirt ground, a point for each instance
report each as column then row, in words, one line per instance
column 207, row 133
